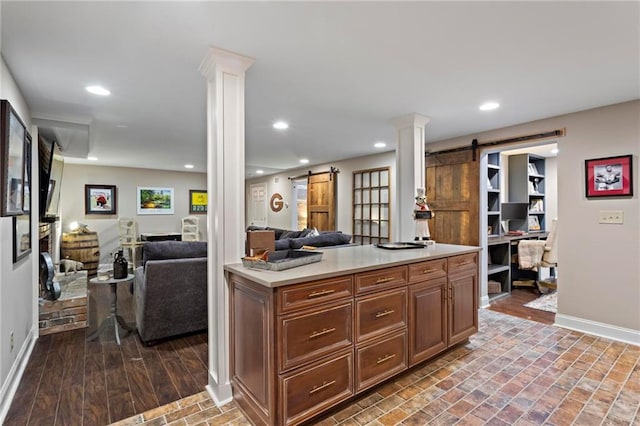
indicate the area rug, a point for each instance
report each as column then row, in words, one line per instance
column 546, row 302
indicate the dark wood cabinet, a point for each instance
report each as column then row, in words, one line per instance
column 300, row 349
column 427, row 319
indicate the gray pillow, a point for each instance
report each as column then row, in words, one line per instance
column 322, row 240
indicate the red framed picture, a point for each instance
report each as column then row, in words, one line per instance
column 609, row 177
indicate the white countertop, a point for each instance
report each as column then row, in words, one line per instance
column 347, row 260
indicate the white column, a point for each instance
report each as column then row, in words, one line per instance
column 409, row 172
column 225, row 73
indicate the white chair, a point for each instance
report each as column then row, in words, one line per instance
column 536, row 254
column 128, row 233
column 550, row 257
column 191, row 228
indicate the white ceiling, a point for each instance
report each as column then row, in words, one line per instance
column 336, row 71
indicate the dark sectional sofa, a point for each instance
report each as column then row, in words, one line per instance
column 170, row 289
column 288, row 239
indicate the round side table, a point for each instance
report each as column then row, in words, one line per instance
column 113, row 311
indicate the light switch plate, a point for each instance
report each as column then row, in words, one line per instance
column 612, row 216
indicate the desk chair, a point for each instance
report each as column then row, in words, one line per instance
column 191, row 228
column 128, row 232
column 534, row 254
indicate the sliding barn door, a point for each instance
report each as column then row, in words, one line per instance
column 321, row 201
column 452, row 186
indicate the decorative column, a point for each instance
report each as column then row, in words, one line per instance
column 225, row 73
column 409, row 172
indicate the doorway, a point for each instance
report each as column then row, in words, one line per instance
column 299, row 200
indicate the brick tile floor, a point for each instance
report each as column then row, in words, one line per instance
column 512, row 372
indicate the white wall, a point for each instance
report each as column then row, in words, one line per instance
column 126, row 180
column 280, row 183
column 599, row 288
column 17, row 282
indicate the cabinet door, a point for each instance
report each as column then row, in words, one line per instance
column 463, row 306
column 427, row 319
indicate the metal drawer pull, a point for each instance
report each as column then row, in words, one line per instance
column 428, row 271
column 384, row 313
column 384, row 280
column 317, row 388
column 464, row 263
column 320, row 293
column 322, row 333
column 385, row 358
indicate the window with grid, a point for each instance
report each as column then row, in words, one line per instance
column 371, row 200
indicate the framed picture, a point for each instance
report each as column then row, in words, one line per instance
column 155, row 200
column 100, row 199
column 21, row 236
column 12, row 154
column 609, row 177
column 198, row 201
column 26, row 196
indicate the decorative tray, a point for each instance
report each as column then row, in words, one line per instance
column 400, row 246
column 283, row 259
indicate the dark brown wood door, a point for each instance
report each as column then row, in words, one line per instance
column 452, row 186
column 321, row 201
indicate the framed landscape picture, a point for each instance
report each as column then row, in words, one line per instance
column 153, row 200
column 100, row 199
column 198, row 201
column 21, row 236
column 12, row 156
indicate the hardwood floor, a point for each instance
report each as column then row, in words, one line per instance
column 513, row 305
column 72, row 381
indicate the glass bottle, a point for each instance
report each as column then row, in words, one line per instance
column 120, row 266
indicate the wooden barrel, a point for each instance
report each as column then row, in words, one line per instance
column 82, row 247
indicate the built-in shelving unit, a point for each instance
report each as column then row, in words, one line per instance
column 493, row 194
column 527, row 185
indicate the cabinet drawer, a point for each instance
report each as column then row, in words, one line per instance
column 380, row 313
column 310, row 294
column 425, row 271
column 463, row 263
column 308, row 335
column 381, row 279
column 380, row 360
column 315, row 388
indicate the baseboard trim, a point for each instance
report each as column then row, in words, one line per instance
column 10, row 386
column 600, row 329
column 484, row 302
column 220, row 394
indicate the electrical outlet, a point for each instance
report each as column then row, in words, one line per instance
column 11, row 338
column 611, row 216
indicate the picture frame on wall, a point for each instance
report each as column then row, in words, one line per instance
column 26, row 191
column 100, row 199
column 155, row 200
column 12, row 154
column 609, row 177
column 198, row 201
column 21, row 237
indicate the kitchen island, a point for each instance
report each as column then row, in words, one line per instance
column 305, row 339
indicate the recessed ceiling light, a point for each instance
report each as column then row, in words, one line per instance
column 121, row 126
column 92, row 158
column 379, row 144
column 259, row 172
column 98, row 90
column 188, row 166
column 555, row 151
column 280, row 125
column 304, row 161
column 488, row 106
